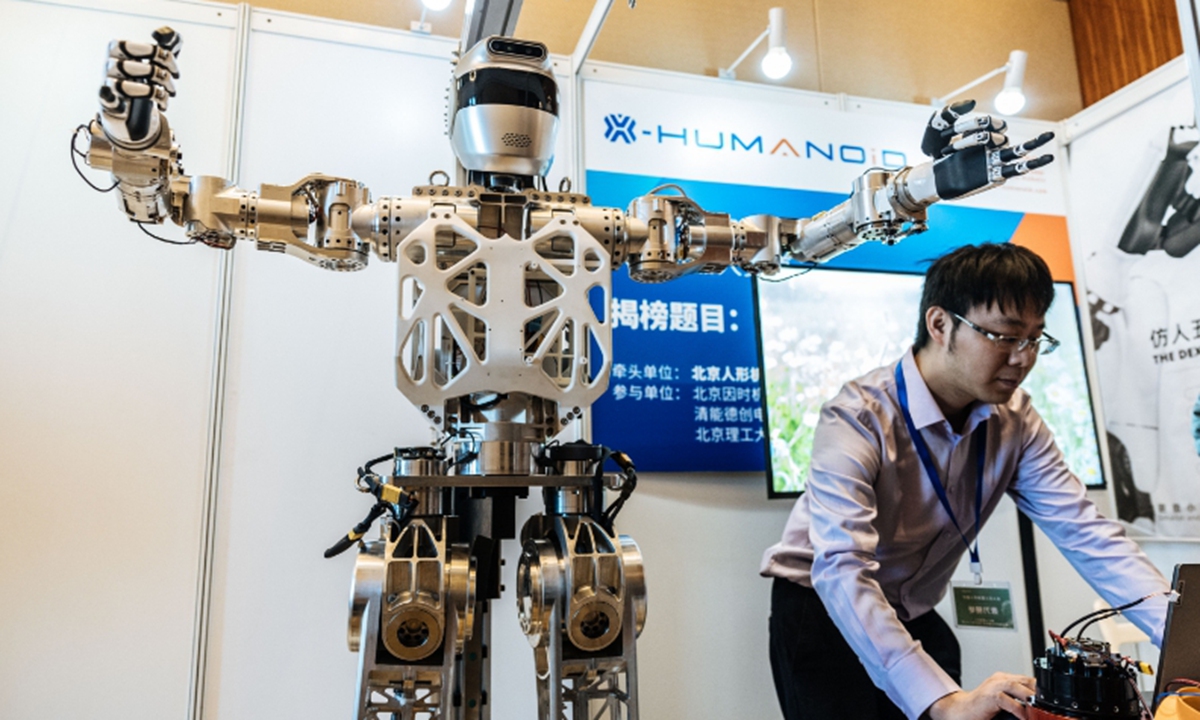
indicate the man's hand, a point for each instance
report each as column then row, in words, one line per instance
column 1001, row 692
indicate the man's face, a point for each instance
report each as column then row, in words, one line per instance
column 981, row 369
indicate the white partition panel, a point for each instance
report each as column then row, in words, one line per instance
column 106, row 362
column 704, row 653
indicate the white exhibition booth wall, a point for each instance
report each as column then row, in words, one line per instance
column 107, row 347
column 179, row 427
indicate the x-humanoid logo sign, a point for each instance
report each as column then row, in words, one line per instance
column 620, row 128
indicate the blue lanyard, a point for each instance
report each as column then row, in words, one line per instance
column 936, row 480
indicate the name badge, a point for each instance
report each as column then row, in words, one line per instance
column 986, row 605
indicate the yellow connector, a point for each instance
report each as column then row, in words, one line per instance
column 390, row 493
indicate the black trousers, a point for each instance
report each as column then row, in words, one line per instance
column 817, row 675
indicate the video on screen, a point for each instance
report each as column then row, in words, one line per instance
column 818, row 331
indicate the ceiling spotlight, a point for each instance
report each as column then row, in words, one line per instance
column 1010, row 100
column 776, row 64
column 420, row 26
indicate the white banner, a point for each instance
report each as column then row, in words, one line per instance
column 774, row 138
column 1135, row 211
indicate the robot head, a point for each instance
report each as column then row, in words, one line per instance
column 504, row 118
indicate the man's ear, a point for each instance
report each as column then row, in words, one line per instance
column 940, row 324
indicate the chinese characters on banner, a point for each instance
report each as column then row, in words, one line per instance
column 654, row 315
column 1166, row 342
column 684, row 392
column 720, row 399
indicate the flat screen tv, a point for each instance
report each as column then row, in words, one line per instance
column 817, row 331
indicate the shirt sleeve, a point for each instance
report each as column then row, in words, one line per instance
column 1048, row 492
column 847, row 452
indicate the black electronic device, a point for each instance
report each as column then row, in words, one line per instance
column 1081, row 678
column 1180, row 657
column 1078, row 677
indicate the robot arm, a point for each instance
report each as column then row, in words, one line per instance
column 670, row 236
column 131, row 138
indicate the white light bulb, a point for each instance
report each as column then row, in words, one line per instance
column 436, row 5
column 776, row 63
column 1009, row 101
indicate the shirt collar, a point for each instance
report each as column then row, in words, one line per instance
column 924, row 409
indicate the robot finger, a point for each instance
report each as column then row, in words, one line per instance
column 113, row 104
column 949, row 115
column 141, row 70
column 135, row 90
column 167, row 39
column 983, row 138
column 1018, row 151
column 934, row 143
column 975, row 123
column 129, row 50
column 1024, row 166
column 131, row 89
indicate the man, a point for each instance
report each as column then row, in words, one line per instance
column 870, row 547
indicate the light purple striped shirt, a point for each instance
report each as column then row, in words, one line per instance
column 870, row 535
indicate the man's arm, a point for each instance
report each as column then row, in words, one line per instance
column 847, row 455
column 1097, row 547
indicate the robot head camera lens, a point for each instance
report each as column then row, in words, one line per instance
column 516, row 48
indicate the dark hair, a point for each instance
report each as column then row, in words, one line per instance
column 1001, row 274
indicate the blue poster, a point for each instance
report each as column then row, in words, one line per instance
column 684, row 392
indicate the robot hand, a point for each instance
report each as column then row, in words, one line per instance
column 973, row 151
column 139, row 80
column 1181, row 142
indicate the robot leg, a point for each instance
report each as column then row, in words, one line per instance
column 411, row 615
column 581, row 599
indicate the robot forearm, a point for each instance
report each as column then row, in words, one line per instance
column 883, row 206
column 670, row 236
column 309, row 219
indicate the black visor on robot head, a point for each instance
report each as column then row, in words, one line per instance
column 502, row 86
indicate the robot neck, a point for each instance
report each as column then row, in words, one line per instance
column 505, row 182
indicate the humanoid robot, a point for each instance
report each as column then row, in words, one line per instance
column 503, row 340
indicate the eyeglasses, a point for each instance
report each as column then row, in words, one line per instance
column 1042, row 345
